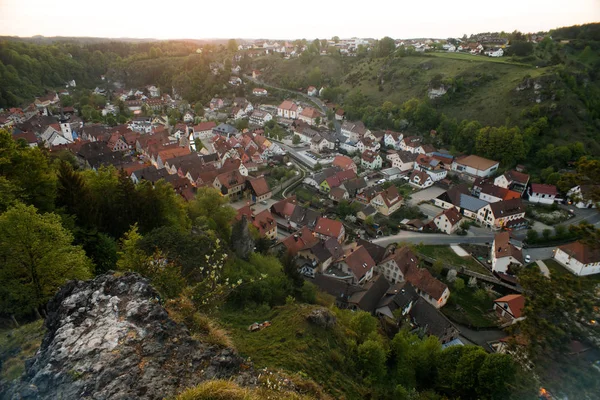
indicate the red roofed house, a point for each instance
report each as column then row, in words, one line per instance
column 339, row 114
column 420, row 179
column 492, row 193
column 579, row 258
column 259, row 92
column 510, row 308
column 326, row 228
column 303, row 239
column 513, row 180
column 264, row 221
column 231, row 184
column 287, row 109
column 388, row 201
column 504, row 253
column 204, row 129
column 402, row 265
column 359, row 264
column 312, row 91
column 260, row 189
column 310, row 115
column 284, row 208
column 539, row 193
column 448, row 220
column 344, row 163
column 371, row 160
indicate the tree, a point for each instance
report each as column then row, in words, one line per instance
column 385, row 47
column 496, row 375
column 198, row 144
column 363, row 324
column 466, row 380
column 371, row 361
column 232, row 46
column 296, row 139
column 37, row 258
column 211, row 210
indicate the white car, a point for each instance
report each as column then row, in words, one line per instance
column 527, row 258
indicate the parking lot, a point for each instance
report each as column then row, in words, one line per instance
column 425, row 195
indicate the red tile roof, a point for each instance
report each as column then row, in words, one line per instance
column 359, row 261
column 343, row 162
column 303, row 239
column 260, row 186
column 328, row 227
column 503, row 247
column 544, row 189
column 582, row 252
column 516, row 303
column 288, row 105
column 205, row 126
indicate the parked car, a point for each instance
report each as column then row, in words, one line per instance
column 527, row 258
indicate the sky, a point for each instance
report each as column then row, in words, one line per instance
column 276, row 19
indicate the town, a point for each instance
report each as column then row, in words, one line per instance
column 387, row 222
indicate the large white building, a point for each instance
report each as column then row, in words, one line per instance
column 579, row 258
column 475, row 166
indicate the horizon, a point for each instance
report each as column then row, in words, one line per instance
column 313, row 20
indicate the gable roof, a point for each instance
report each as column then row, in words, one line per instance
column 544, row 189
column 337, row 193
column 503, row 247
column 428, row 317
column 516, row 303
column 507, row 208
column 328, row 227
column 260, row 186
column 476, row 162
column 288, row 105
column 356, row 127
column 499, row 192
column 375, row 251
column 310, row 112
column 302, row 239
column 516, row 176
column 454, row 217
column 205, row 126
column 374, row 290
column 304, row 216
column 423, row 176
column 359, row 261
column 285, row 208
column 369, row 156
column 582, row 252
column 343, row 162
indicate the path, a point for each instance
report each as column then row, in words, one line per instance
column 459, row 251
column 543, row 268
column 433, row 238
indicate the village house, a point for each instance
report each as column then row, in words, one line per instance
column 230, row 184
column 392, row 139
column 579, row 258
column 312, row 91
column 513, row 180
column 371, row 160
column 420, row 179
column 344, row 163
column 260, row 92
column 354, row 186
column 448, row 221
column 358, row 264
column 431, row 167
column 475, row 166
column 540, row 193
column 216, row 103
column 583, row 196
column 259, row 189
column 387, row 201
column 458, row 197
column 338, row 194
column 410, row 144
column 402, row 265
column 326, row 228
column 310, row 115
column 303, row 239
column 403, row 160
column 225, row 130
column 354, row 130
column 503, row 214
column 339, row 114
column 264, row 222
column 367, row 143
column 492, row 193
column 260, row 118
column 505, row 254
column 322, row 141
column 287, row 109
column 391, row 174
column 509, row 309
column 320, row 256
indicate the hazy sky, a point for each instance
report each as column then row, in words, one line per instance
column 287, row 20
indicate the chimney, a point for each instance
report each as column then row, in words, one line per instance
column 296, row 237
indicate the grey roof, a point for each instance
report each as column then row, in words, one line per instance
column 354, row 184
column 151, row 173
column 324, row 174
column 327, row 249
column 428, row 317
column 225, row 129
column 407, row 156
column 471, row 203
column 304, row 216
column 375, row 251
column 398, row 296
column 368, row 209
column 368, row 299
column 391, row 171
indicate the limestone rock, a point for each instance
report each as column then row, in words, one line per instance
column 322, row 317
column 109, row 338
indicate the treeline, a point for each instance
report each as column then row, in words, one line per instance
column 29, row 70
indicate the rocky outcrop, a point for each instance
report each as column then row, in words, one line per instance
column 322, row 317
column 109, row 338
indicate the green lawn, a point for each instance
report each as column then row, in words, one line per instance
column 16, row 345
column 294, row 345
column 464, row 308
column 558, row 270
column 447, row 255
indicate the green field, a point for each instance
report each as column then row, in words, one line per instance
column 16, row 345
column 448, row 256
column 294, row 345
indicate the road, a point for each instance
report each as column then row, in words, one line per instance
column 315, row 100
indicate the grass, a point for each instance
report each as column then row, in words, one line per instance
column 471, row 311
column 17, row 345
column 558, row 270
column 448, row 256
column 294, row 345
column 227, row 390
